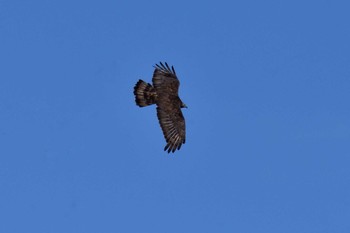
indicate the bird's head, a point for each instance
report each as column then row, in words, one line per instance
column 183, row 105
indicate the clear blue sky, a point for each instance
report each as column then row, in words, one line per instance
column 267, row 84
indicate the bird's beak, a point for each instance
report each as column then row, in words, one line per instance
column 184, row 106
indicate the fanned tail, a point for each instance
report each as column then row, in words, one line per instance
column 145, row 94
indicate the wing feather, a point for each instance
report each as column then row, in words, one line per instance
column 174, row 133
column 165, row 80
column 169, row 105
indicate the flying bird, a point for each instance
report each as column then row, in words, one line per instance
column 164, row 93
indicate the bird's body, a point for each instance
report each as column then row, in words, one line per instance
column 164, row 93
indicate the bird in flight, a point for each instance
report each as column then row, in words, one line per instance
column 164, row 93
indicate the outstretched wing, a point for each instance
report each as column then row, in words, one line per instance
column 172, row 123
column 169, row 104
column 165, row 81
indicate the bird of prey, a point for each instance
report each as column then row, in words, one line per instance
column 164, row 93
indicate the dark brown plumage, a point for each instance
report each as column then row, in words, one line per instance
column 164, row 93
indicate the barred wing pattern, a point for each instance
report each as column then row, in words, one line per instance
column 169, row 106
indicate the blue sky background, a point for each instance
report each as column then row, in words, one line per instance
column 268, row 124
